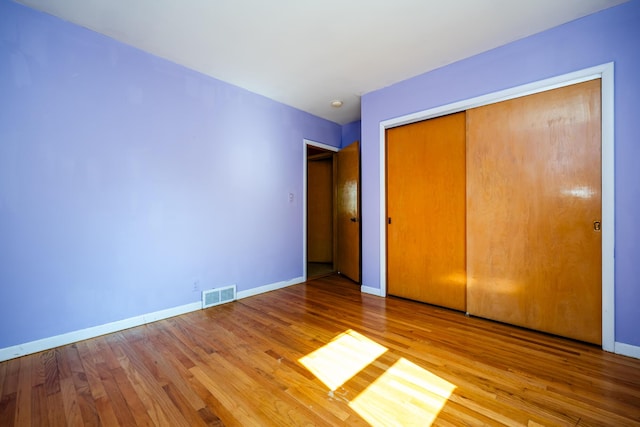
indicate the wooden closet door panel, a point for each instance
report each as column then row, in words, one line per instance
column 533, row 194
column 426, row 205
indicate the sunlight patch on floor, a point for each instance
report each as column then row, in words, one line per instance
column 404, row 395
column 342, row 358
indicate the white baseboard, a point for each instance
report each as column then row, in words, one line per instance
column 372, row 291
column 108, row 328
column 268, row 288
column 94, row 331
column 627, row 350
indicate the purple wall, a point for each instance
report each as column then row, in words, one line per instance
column 125, row 178
column 350, row 133
column 611, row 35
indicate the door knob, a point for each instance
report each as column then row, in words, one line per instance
column 354, row 219
column 597, row 226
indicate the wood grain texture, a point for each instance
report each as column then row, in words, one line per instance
column 320, row 210
column 426, row 181
column 533, row 193
column 348, row 211
column 239, row 364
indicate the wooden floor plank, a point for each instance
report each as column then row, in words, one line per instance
column 24, row 391
column 38, row 413
column 70, row 402
column 241, row 364
column 84, row 399
column 9, row 377
column 148, row 381
column 3, row 374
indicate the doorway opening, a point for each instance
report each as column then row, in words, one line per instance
column 331, row 215
column 319, row 210
column 321, row 230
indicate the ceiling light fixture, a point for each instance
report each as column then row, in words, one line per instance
column 336, row 103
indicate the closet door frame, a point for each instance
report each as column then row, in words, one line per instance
column 605, row 72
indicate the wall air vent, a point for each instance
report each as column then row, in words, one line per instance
column 218, row 296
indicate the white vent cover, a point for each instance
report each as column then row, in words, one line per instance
column 218, row 296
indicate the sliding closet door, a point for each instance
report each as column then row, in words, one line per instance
column 426, row 210
column 534, row 206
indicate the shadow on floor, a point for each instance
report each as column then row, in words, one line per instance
column 319, row 269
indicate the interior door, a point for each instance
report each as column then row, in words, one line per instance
column 534, row 206
column 348, row 211
column 426, row 233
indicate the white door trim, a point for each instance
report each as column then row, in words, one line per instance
column 603, row 72
column 305, row 143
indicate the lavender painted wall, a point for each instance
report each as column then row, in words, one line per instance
column 350, row 133
column 125, row 178
column 611, row 35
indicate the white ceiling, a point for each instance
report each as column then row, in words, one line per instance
column 306, row 53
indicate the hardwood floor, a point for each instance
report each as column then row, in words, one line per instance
column 322, row 353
